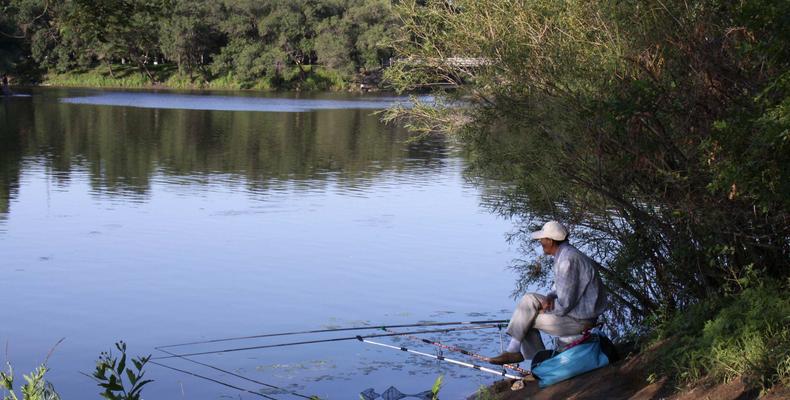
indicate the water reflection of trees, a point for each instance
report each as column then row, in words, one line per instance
column 122, row 148
column 10, row 154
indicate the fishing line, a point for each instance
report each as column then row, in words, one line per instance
column 465, row 352
column 214, row 380
column 323, row 341
column 239, row 376
column 335, row 330
column 442, row 358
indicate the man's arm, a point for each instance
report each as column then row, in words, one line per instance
column 569, row 288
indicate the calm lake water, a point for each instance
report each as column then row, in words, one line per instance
column 161, row 218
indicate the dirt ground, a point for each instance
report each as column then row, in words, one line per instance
column 627, row 379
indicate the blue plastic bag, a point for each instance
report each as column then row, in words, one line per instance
column 575, row 361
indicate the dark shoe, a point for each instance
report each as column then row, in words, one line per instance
column 506, row 358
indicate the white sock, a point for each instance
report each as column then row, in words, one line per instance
column 514, row 346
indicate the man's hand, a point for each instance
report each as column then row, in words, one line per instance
column 547, row 304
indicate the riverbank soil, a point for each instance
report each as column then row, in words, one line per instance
column 627, row 379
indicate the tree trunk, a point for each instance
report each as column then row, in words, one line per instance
column 147, row 72
column 109, row 67
column 302, row 73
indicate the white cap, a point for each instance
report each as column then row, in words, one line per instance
column 551, row 230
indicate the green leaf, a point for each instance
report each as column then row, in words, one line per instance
column 109, row 395
column 132, row 377
column 99, row 374
column 437, row 385
column 122, row 364
column 111, row 386
column 139, row 387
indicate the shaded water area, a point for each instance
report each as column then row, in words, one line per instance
column 161, row 218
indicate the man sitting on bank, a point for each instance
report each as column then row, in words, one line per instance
column 577, row 299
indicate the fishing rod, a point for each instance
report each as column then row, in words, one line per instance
column 326, row 341
column 424, row 324
column 214, row 380
column 240, row 376
column 442, row 358
column 465, row 352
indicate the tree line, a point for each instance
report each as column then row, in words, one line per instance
column 240, row 40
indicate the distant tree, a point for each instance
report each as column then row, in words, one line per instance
column 290, row 28
column 110, row 30
column 374, row 25
column 91, row 31
column 188, row 36
column 334, row 45
column 19, row 22
column 141, row 35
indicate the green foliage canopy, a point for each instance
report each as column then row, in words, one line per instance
column 659, row 130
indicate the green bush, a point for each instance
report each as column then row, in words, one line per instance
column 124, row 76
column 35, row 388
column 117, row 381
column 485, row 393
column 745, row 335
column 96, row 79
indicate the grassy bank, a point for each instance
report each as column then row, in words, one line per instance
column 739, row 336
column 309, row 78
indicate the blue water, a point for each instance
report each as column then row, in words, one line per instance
column 171, row 224
column 236, row 103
